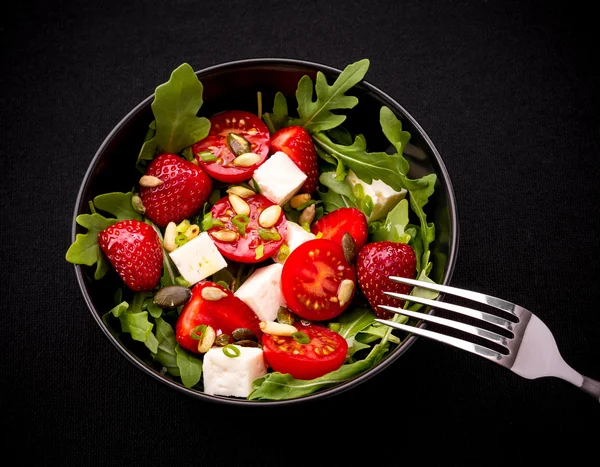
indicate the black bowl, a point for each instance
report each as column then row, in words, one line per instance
column 234, row 85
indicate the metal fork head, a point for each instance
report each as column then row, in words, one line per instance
column 515, row 328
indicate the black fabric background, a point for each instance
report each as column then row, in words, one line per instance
column 507, row 91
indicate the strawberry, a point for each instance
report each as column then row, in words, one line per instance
column 184, row 190
column 335, row 224
column 134, row 250
column 378, row 260
column 297, row 144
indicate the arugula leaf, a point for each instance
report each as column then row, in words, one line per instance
column 278, row 386
column 393, row 228
column 140, row 328
column 165, row 353
column 316, row 115
column 279, row 117
column 339, row 193
column 85, row 248
column 367, row 166
column 175, row 107
column 190, row 367
column 118, row 204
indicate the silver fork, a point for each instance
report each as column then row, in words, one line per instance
column 532, row 353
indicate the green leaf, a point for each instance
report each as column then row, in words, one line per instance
column 140, row 328
column 392, row 129
column 85, row 248
column 165, row 353
column 393, row 227
column 279, row 117
column 175, row 106
column 367, row 166
column 316, row 115
column 190, row 367
column 339, row 193
column 278, row 386
column 118, row 204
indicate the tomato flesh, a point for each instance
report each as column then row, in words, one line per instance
column 247, row 247
column 244, row 124
column 223, row 315
column 325, row 352
column 335, row 224
column 311, row 278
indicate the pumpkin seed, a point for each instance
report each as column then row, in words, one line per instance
column 222, row 340
column 285, row 316
column 241, row 334
column 247, row 343
column 299, row 200
column 172, row 296
column 349, row 247
column 238, row 144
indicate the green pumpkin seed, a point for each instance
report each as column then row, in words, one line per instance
column 172, row 296
column 241, row 334
column 349, row 248
column 238, row 144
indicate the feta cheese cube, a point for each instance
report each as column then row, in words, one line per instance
column 294, row 237
column 232, row 376
column 198, row 258
column 262, row 292
column 279, row 178
column 384, row 196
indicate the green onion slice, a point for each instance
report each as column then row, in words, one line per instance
column 181, row 239
column 301, row 337
column 269, row 234
column 231, row 351
column 284, row 252
column 183, row 226
column 241, row 222
column 260, row 251
column 208, row 222
column 207, row 156
column 198, row 331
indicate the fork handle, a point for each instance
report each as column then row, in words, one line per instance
column 591, row 386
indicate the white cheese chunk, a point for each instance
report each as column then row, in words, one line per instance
column 232, row 376
column 294, row 237
column 384, row 197
column 262, row 292
column 198, row 258
column 279, row 178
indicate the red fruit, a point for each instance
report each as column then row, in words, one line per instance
column 297, row 144
column 224, row 315
column 134, row 250
column 375, row 263
column 335, row 224
column 184, row 190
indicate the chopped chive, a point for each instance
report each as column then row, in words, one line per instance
column 207, row 156
column 241, row 222
column 319, row 234
column 301, row 337
column 305, row 205
column 366, row 205
column 198, row 331
column 180, row 240
column 260, row 251
column 358, row 191
column 208, row 222
column 284, row 252
column 231, row 351
column 183, row 226
column 269, row 234
column 181, row 281
column 335, row 326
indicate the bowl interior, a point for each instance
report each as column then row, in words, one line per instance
column 235, row 85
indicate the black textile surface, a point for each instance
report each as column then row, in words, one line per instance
column 507, row 91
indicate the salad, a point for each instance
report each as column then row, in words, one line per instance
column 253, row 250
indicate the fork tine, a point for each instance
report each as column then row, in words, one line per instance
column 484, row 333
column 482, row 315
column 453, row 341
column 499, row 303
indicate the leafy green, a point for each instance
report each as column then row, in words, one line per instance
column 175, row 107
column 279, row 117
column 393, row 228
column 190, row 367
column 339, row 193
column 118, row 204
column 165, row 352
column 317, row 115
column 85, row 249
column 278, row 386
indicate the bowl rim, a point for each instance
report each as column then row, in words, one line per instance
column 325, row 393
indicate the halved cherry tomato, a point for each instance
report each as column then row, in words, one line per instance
column 311, row 280
column 255, row 243
column 335, row 224
column 223, row 315
column 244, row 124
column 325, row 352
